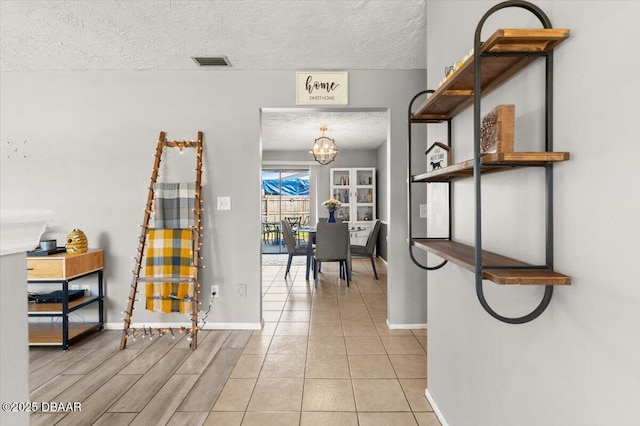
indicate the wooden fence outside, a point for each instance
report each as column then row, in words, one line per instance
column 289, row 206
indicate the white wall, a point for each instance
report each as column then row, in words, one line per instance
column 577, row 364
column 82, row 144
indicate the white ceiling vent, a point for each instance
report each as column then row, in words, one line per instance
column 212, row 61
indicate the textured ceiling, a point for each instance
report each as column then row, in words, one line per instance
column 254, row 35
column 295, row 129
column 96, row 35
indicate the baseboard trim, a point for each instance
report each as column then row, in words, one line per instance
column 207, row 326
column 436, row 410
column 233, row 326
column 406, row 326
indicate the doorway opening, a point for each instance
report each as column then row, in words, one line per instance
column 285, row 196
column 362, row 136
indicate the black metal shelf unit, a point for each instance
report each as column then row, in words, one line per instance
column 508, row 271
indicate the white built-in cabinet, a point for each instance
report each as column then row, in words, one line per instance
column 355, row 188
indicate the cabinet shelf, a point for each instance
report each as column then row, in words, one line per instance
column 514, row 49
column 56, row 308
column 492, row 163
column 463, row 255
column 359, row 189
column 50, row 334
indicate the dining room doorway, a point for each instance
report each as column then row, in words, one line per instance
column 285, row 196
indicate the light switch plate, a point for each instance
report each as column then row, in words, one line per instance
column 423, row 211
column 224, row 203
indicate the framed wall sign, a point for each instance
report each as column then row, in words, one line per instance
column 322, row 88
column 438, row 156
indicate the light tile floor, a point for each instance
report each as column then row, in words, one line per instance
column 325, row 356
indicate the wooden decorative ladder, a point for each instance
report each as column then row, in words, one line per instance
column 196, row 235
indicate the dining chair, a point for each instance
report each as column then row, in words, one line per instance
column 294, row 221
column 332, row 245
column 292, row 248
column 267, row 233
column 369, row 248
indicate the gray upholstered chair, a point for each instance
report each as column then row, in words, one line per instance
column 326, row 219
column 292, row 248
column 332, row 245
column 368, row 249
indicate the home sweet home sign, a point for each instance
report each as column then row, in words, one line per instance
column 322, row 88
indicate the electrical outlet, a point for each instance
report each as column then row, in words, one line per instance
column 215, row 291
column 242, row 290
column 423, row 211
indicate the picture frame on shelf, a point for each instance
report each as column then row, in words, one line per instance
column 438, row 156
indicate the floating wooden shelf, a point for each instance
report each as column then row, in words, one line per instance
column 463, row 255
column 47, row 334
column 56, row 308
column 456, row 93
column 492, row 163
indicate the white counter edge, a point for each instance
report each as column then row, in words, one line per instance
column 21, row 229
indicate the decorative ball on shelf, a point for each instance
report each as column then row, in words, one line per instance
column 77, row 242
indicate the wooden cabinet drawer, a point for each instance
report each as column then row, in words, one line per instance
column 64, row 266
column 44, row 268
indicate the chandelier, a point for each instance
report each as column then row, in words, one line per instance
column 324, row 149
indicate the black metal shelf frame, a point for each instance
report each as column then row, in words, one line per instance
column 409, row 197
column 64, row 306
column 477, row 96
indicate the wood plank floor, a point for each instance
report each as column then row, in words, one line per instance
column 145, row 384
column 324, row 357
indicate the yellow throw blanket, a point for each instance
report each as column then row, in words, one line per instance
column 168, row 305
column 169, row 255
